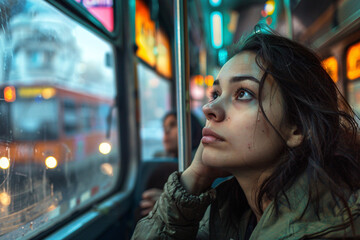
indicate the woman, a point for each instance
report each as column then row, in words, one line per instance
column 278, row 124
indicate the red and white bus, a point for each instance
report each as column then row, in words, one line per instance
column 54, row 128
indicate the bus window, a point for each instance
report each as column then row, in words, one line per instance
column 4, row 122
column 56, row 154
column 353, row 74
column 86, row 117
column 353, row 88
column 40, row 58
column 70, row 117
column 154, row 103
column 41, row 119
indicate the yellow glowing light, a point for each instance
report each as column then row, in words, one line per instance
column 198, row 79
column 4, row 163
column 9, row 94
column 5, row 199
column 331, row 66
column 51, row 162
column 48, row 93
column 353, row 62
column 29, row 92
column 209, row 80
column 107, row 169
column 105, row 148
column 269, row 7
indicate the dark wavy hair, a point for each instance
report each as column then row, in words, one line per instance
column 329, row 152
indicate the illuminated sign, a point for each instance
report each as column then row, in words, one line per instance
column 102, row 10
column 46, row 93
column 153, row 44
column 353, row 62
column 144, row 33
column 331, row 66
column 216, row 23
column 215, row 3
column 163, row 57
column 97, row 3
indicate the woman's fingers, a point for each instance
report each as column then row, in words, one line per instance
column 147, row 203
column 153, row 193
column 150, row 197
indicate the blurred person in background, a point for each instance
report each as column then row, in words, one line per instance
column 157, row 179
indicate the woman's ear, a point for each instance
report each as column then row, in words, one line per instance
column 294, row 137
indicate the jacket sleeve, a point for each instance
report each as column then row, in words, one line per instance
column 176, row 215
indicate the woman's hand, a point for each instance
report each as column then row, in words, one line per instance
column 198, row 177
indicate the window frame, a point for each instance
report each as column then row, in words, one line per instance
column 81, row 15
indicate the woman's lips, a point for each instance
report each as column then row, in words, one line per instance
column 210, row 136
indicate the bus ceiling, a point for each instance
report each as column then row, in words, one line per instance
column 304, row 20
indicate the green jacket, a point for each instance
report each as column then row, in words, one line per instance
column 180, row 215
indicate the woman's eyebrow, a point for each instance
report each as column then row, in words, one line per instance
column 243, row 78
column 238, row 79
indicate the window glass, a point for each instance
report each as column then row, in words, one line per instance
column 58, row 127
column 70, row 117
column 155, row 103
column 354, row 95
column 102, row 10
column 42, row 125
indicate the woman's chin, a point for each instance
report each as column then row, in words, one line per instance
column 211, row 159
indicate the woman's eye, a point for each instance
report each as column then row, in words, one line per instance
column 214, row 95
column 243, row 94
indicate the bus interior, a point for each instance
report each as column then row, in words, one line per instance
column 85, row 85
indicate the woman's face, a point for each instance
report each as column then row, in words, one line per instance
column 236, row 135
column 170, row 139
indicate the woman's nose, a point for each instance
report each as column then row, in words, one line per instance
column 214, row 111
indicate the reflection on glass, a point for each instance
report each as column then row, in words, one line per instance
column 57, row 94
column 5, row 199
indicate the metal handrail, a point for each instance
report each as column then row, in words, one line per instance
column 182, row 83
